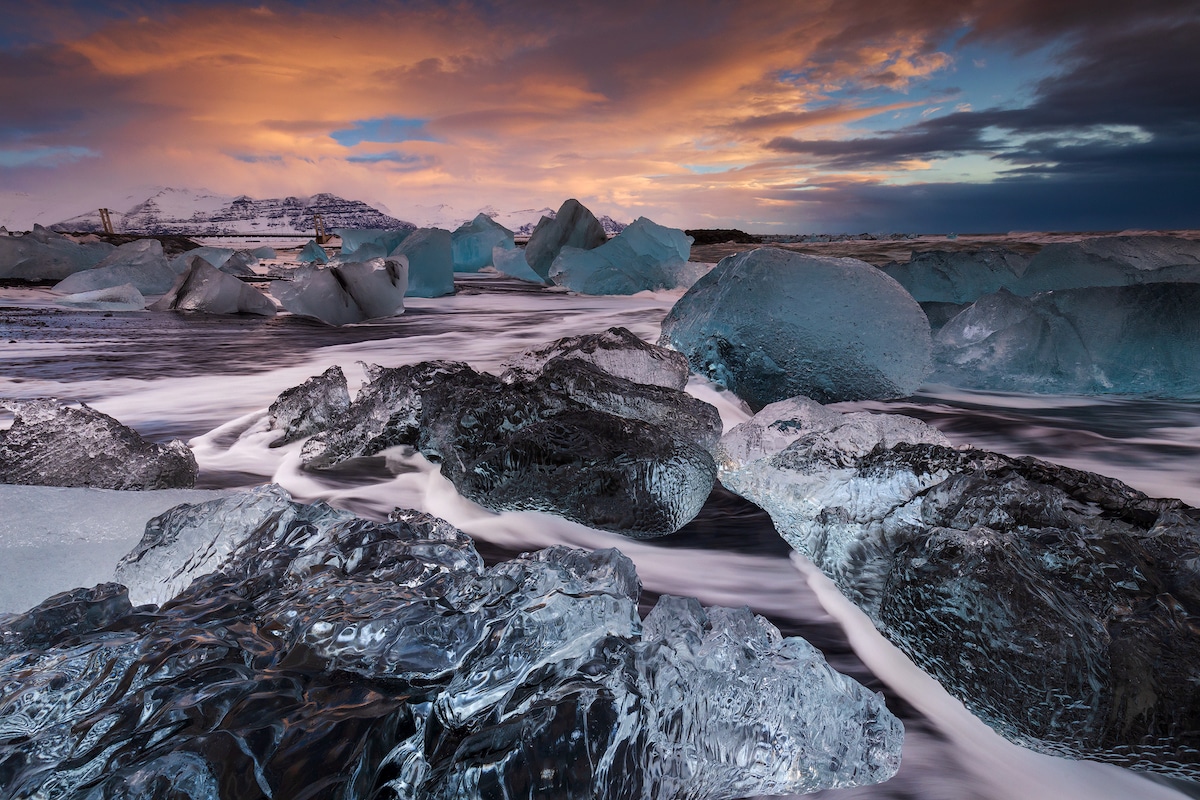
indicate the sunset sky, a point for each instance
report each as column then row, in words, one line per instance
column 814, row 115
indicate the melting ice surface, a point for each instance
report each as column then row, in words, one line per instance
column 176, row 376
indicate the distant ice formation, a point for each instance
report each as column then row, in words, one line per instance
column 573, row 226
column 513, row 264
column 1059, row 606
column 50, row 444
column 644, row 256
column 206, row 289
column 770, row 324
column 300, row 649
column 313, row 253
column 474, row 241
column 140, row 263
column 342, row 294
column 43, row 255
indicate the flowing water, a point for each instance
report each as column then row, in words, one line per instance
column 209, row 379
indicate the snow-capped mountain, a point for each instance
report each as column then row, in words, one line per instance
column 200, row 213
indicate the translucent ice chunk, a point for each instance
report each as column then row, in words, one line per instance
column 573, row 226
column 770, row 324
column 125, row 297
column 346, row 293
column 211, row 291
column 313, row 253
column 353, row 238
column 263, row 252
column 139, row 262
column 1128, row 339
column 215, row 256
column 43, row 255
column 513, row 264
column 1032, row 592
column 958, row 276
column 54, row 445
column 430, row 262
column 644, row 256
column 1111, row 261
column 473, row 242
column 240, row 264
column 302, row 648
column 313, row 406
column 616, row 351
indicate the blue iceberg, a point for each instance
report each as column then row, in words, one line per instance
column 430, row 262
column 644, row 256
column 473, row 242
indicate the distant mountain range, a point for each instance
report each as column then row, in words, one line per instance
column 201, row 213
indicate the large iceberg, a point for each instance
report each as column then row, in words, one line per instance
column 212, row 291
column 942, row 276
column 513, row 264
column 354, row 238
column 140, row 262
column 473, row 242
column 1061, row 607
column 346, row 293
column 299, row 651
column 1141, row 339
column 215, row 256
column 43, row 255
column 1111, row 261
column 573, row 226
column 430, row 262
column 644, row 256
column 573, row 441
column 50, row 444
column 770, row 324
column 313, row 253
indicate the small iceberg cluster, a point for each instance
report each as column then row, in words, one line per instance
column 644, row 256
column 43, row 255
column 342, row 294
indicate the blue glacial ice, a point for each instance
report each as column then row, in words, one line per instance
column 205, row 289
column 353, row 238
column 1111, row 261
column 43, row 255
column 51, row 444
column 942, row 276
column 644, row 256
column 140, row 262
column 1059, row 606
column 300, row 649
column 770, row 324
column 125, row 297
column 513, row 264
column 313, row 253
column 215, row 256
column 264, row 252
column 473, row 242
column 1142, row 339
column 573, row 226
column 430, row 262
column 342, row 294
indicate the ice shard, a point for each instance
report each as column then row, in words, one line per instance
column 771, row 324
column 573, row 441
column 513, row 264
column 1059, row 606
column 313, row 253
column 645, row 256
column 140, row 262
column 240, row 264
column 50, row 444
column 212, row 291
column 942, row 276
column 313, row 406
column 430, row 262
column 125, row 297
column 301, row 651
column 43, row 255
column 573, row 226
column 342, row 294
column 1141, row 339
column 616, row 351
column 473, row 242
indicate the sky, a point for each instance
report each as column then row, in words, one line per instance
column 765, row 115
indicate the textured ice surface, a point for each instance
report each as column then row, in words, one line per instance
column 616, row 351
column 644, row 256
column 353, row 238
column 573, row 226
column 1112, row 339
column 139, row 262
column 331, row 656
column 312, row 406
column 43, row 255
column 345, row 293
column 125, row 297
column 313, row 253
column 264, row 252
column 240, row 264
column 54, row 538
column 50, row 444
column 1111, row 261
column 1059, row 606
column 513, row 264
column 473, row 242
column 212, row 291
column 958, row 276
column 573, row 441
column 430, row 262
column 770, row 324
column 215, row 256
